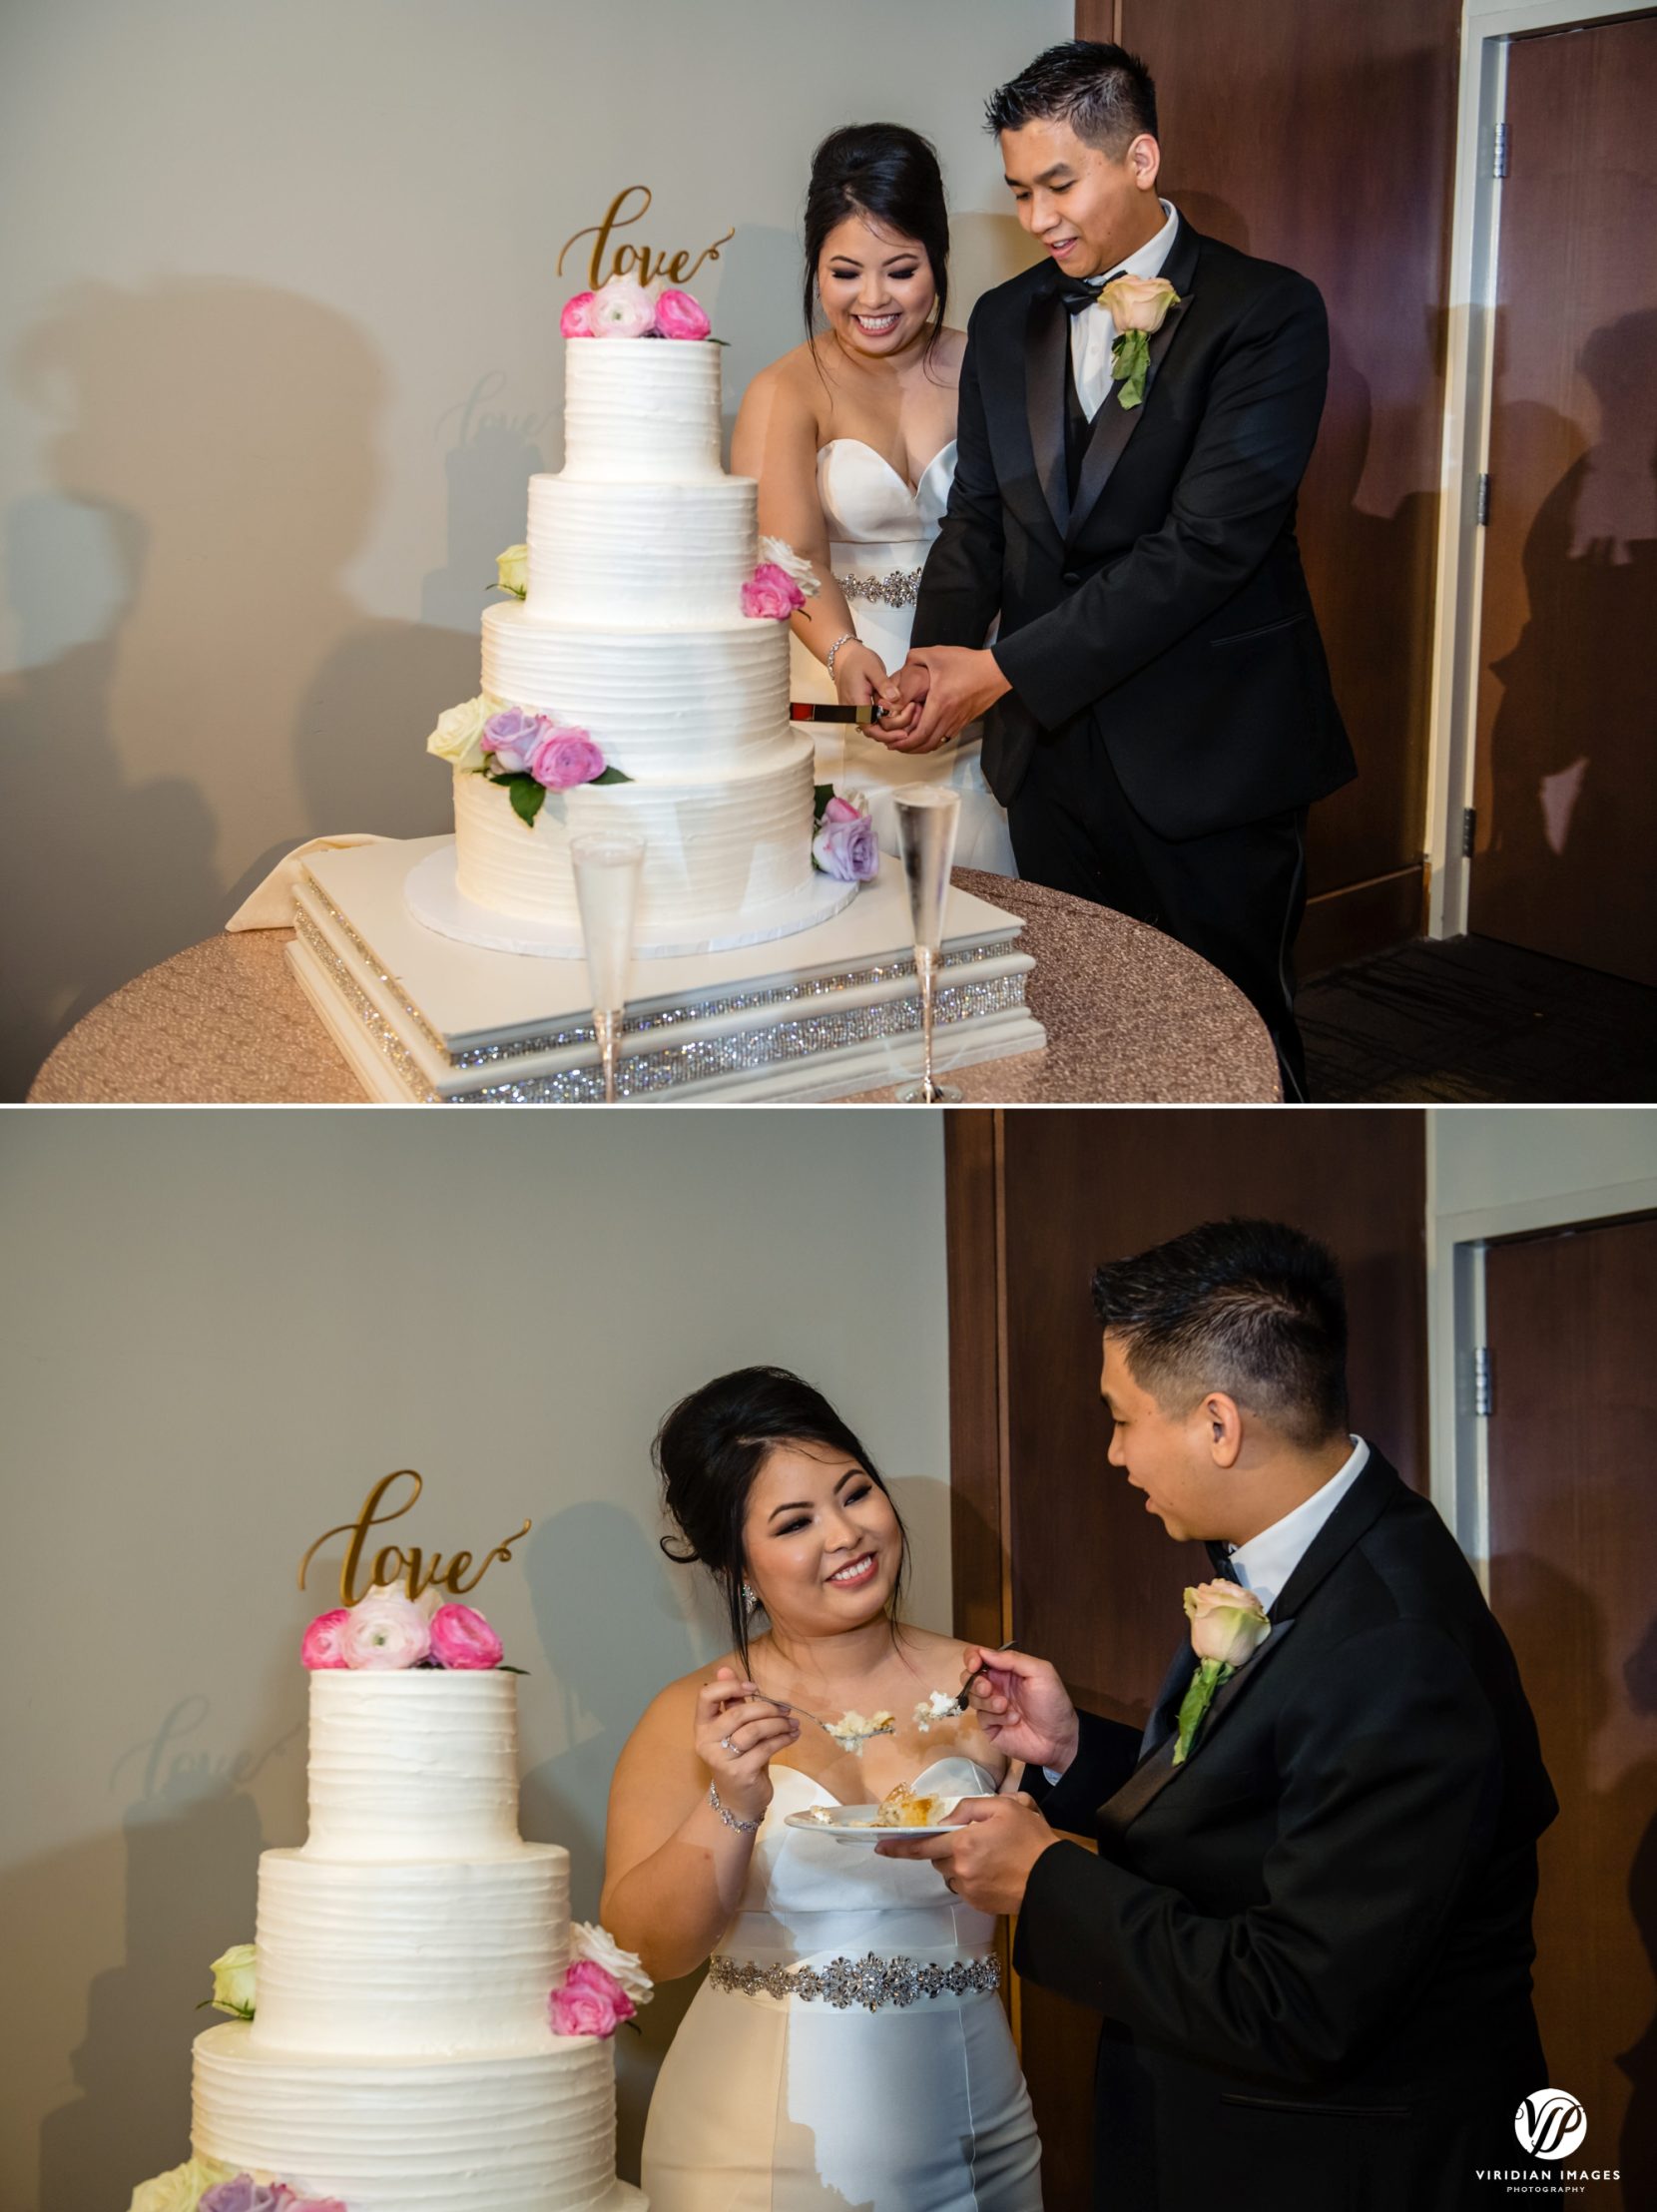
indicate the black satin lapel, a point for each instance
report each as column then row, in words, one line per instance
column 1148, row 1780
column 1046, row 337
column 1115, row 424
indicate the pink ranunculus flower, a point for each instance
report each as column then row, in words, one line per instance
column 512, row 736
column 623, row 309
column 591, row 2002
column 842, row 809
column 678, row 317
column 564, row 756
column 385, row 1632
column 587, row 1973
column 463, row 1639
column 772, row 594
column 322, row 1640
column 845, row 848
column 576, row 321
column 312, row 2204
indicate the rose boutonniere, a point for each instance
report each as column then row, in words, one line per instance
column 1228, row 1626
column 1138, row 305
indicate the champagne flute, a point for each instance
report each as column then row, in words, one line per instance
column 928, row 817
column 607, row 866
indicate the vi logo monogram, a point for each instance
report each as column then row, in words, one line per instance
column 1550, row 2124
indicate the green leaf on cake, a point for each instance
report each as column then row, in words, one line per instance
column 612, row 776
column 821, row 795
column 527, row 796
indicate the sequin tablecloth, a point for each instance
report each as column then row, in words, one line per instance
column 1131, row 1018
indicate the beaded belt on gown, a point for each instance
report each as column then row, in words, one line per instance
column 899, row 587
column 868, row 1981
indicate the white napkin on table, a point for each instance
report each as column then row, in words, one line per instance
column 270, row 904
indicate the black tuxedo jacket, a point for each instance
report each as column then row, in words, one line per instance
column 1169, row 603
column 1311, row 1941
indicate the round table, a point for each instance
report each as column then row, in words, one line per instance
column 1132, row 1018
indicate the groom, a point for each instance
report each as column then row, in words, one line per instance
column 1160, row 711
column 1307, row 1922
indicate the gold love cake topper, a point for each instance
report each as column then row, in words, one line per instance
column 398, row 1563
column 632, row 258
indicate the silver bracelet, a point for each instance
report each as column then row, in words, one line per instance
column 846, row 637
column 731, row 1819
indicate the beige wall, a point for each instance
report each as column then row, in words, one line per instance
column 280, row 345
column 217, row 1330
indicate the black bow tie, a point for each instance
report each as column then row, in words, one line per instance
column 1079, row 293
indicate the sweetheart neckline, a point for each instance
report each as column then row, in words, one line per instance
column 898, row 477
column 955, row 1757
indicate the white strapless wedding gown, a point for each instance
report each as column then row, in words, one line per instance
column 882, row 532
column 781, row 2104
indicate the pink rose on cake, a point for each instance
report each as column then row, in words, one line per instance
column 678, row 317
column 623, row 309
column 241, row 2193
column 323, row 1644
column 845, row 846
column 463, row 1639
column 576, row 321
column 772, row 594
column 565, row 756
column 385, row 1632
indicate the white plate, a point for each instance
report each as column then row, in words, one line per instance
column 844, row 1825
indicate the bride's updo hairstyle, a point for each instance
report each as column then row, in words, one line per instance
column 709, row 1449
column 890, row 174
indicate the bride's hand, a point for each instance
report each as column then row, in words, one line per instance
column 1023, row 1707
column 860, row 675
column 737, row 1736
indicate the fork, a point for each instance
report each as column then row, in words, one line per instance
column 960, row 1703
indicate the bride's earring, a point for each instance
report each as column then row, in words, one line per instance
column 750, row 1598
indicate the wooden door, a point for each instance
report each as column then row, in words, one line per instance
column 1566, row 747
column 1049, row 1545
column 1573, row 1580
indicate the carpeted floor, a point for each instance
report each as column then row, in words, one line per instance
column 1466, row 1020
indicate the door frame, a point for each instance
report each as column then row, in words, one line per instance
column 1456, row 1245
column 1488, row 29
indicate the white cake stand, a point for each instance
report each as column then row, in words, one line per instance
column 434, row 898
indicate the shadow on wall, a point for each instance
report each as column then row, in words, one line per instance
column 199, row 689
column 609, row 1662
column 191, row 1840
column 1568, row 789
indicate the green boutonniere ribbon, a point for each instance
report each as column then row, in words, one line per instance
column 1129, row 366
column 1195, row 1702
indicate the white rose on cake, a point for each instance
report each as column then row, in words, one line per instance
column 590, row 1942
column 181, row 2189
column 781, row 554
column 458, row 736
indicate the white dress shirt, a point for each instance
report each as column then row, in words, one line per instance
column 1093, row 332
column 1265, row 1563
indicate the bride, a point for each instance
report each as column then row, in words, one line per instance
column 772, row 2099
column 852, row 439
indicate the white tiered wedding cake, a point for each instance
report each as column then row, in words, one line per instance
column 642, row 684
column 402, row 2054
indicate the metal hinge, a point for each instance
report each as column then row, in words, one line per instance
column 1482, row 505
column 1469, row 824
column 1483, row 1385
column 1499, row 152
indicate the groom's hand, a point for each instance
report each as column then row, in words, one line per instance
column 959, row 685
column 1023, row 1707
column 988, row 1861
